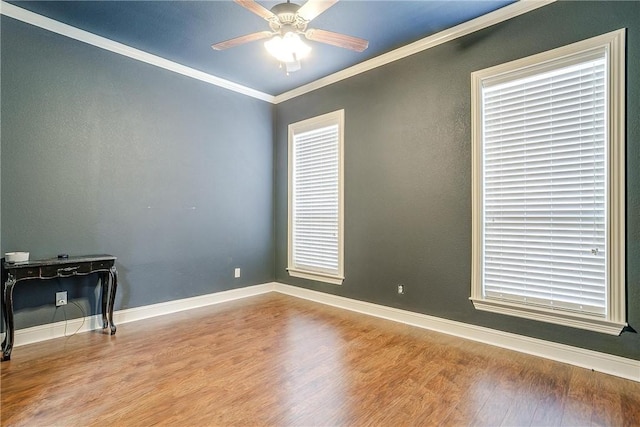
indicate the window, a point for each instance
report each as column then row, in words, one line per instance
column 315, row 247
column 548, row 186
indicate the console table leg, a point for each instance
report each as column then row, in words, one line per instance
column 7, row 344
column 112, row 296
column 105, row 279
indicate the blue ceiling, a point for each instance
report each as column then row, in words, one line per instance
column 183, row 31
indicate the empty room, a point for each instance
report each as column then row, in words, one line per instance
column 320, row 213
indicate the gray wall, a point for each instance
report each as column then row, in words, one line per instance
column 104, row 154
column 101, row 153
column 408, row 170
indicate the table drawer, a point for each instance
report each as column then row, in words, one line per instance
column 27, row 273
column 49, row 271
column 101, row 265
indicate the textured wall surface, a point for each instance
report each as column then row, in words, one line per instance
column 408, row 170
column 104, row 154
column 101, row 153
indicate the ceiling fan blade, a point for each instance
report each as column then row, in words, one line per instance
column 256, row 8
column 242, row 39
column 337, row 39
column 313, row 8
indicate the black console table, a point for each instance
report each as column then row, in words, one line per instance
column 102, row 265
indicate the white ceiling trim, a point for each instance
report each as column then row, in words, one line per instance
column 495, row 17
column 128, row 51
column 500, row 15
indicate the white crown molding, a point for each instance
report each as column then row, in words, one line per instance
column 500, row 15
column 601, row 362
column 28, row 17
column 484, row 21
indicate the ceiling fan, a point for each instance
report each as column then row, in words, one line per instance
column 287, row 22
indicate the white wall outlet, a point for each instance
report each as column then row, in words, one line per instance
column 400, row 289
column 61, row 298
column 236, row 273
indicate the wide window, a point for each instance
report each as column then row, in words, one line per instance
column 315, row 248
column 548, row 192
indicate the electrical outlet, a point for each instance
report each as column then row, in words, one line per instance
column 400, row 289
column 61, row 298
column 236, row 273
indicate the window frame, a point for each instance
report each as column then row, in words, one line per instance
column 314, row 123
column 614, row 45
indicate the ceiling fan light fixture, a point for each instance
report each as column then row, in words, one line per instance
column 287, row 21
column 288, row 48
column 292, row 66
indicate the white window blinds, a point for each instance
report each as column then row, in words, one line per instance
column 548, row 188
column 315, row 214
column 544, row 188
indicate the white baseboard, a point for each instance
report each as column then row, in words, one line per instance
column 153, row 310
column 84, row 324
column 601, row 362
column 56, row 330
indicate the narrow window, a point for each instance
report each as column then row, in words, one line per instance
column 315, row 248
column 548, row 199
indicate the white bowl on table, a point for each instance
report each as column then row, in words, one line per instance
column 16, row 256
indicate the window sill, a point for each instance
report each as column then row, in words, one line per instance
column 550, row 316
column 320, row 277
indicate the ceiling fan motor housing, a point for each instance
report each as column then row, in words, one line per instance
column 287, row 19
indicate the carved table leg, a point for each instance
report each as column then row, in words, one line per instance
column 7, row 344
column 105, row 279
column 112, row 296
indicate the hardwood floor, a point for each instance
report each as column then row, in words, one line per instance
column 279, row 360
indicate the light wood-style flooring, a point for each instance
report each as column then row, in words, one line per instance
column 278, row 360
